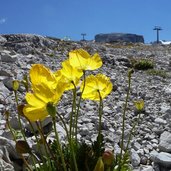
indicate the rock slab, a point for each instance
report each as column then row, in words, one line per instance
column 119, row 37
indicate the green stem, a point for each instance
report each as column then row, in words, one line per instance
column 26, row 83
column 73, row 113
column 73, row 155
column 100, row 115
column 108, row 168
column 100, row 122
column 20, row 125
column 48, row 148
column 44, row 142
column 58, row 144
column 8, row 123
column 130, row 135
column 9, row 126
column 124, row 116
column 78, row 106
column 19, row 118
column 65, row 127
column 26, row 163
column 37, row 140
column 70, row 142
column 35, row 159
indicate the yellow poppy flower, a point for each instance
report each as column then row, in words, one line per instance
column 96, row 86
column 69, row 75
column 46, row 89
column 82, row 60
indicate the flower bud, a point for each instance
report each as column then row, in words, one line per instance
column 99, row 165
column 20, row 109
column 139, row 105
column 25, row 82
column 22, row 147
column 15, row 85
column 7, row 115
column 130, row 72
column 108, row 157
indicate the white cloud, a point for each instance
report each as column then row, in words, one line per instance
column 3, row 20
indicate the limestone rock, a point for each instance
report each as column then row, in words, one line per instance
column 46, row 124
column 135, row 159
column 160, row 121
column 26, row 43
column 165, row 142
column 7, row 151
column 162, row 158
column 118, row 37
column 146, row 168
column 8, row 58
column 4, row 92
column 167, row 89
column 5, row 165
column 2, row 40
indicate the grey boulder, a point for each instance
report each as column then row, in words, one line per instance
column 165, row 142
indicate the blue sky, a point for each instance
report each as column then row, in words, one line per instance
column 60, row 18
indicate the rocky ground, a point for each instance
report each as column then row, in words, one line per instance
column 151, row 145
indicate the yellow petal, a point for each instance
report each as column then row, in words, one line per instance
column 58, row 75
column 34, row 113
column 96, row 87
column 33, row 100
column 43, row 92
column 70, row 72
column 95, row 62
column 91, row 96
column 79, row 58
column 46, row 85
column 35, row 109
column 90, row 84
column 107, row 90
column 39, row 74
column 69, row 75
column 82, row 60
column 79, row 53
column 50, row 95
column 83, row 53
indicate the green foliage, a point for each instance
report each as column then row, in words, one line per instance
column 51, row 55
column 66, row 151
column 98, row 146
column 86, row 155
column 142, row 64
column 17, row 134
column 122, row 163
column 48, row 165
column 156, row 72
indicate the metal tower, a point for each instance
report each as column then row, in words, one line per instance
column 83, row 34
column 157, row 28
